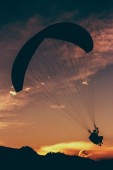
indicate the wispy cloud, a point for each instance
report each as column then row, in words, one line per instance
column 9, row 102
column 57, row 106
column 13, row 124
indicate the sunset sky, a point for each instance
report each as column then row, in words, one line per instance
column 26, row 121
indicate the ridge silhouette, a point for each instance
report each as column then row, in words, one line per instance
column 28, row 159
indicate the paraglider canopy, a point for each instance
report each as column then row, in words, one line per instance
column 65, row 31
column 60, row 72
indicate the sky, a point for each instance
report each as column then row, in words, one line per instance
column 25, row 120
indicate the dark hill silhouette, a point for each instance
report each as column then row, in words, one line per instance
column 26, row 158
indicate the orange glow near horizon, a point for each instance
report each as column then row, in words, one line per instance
column 74, row 148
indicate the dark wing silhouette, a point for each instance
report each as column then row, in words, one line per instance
column 69, row 32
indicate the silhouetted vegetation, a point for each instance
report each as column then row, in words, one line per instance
column 26, row 158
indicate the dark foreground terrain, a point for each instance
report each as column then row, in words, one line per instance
column 26, row 158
